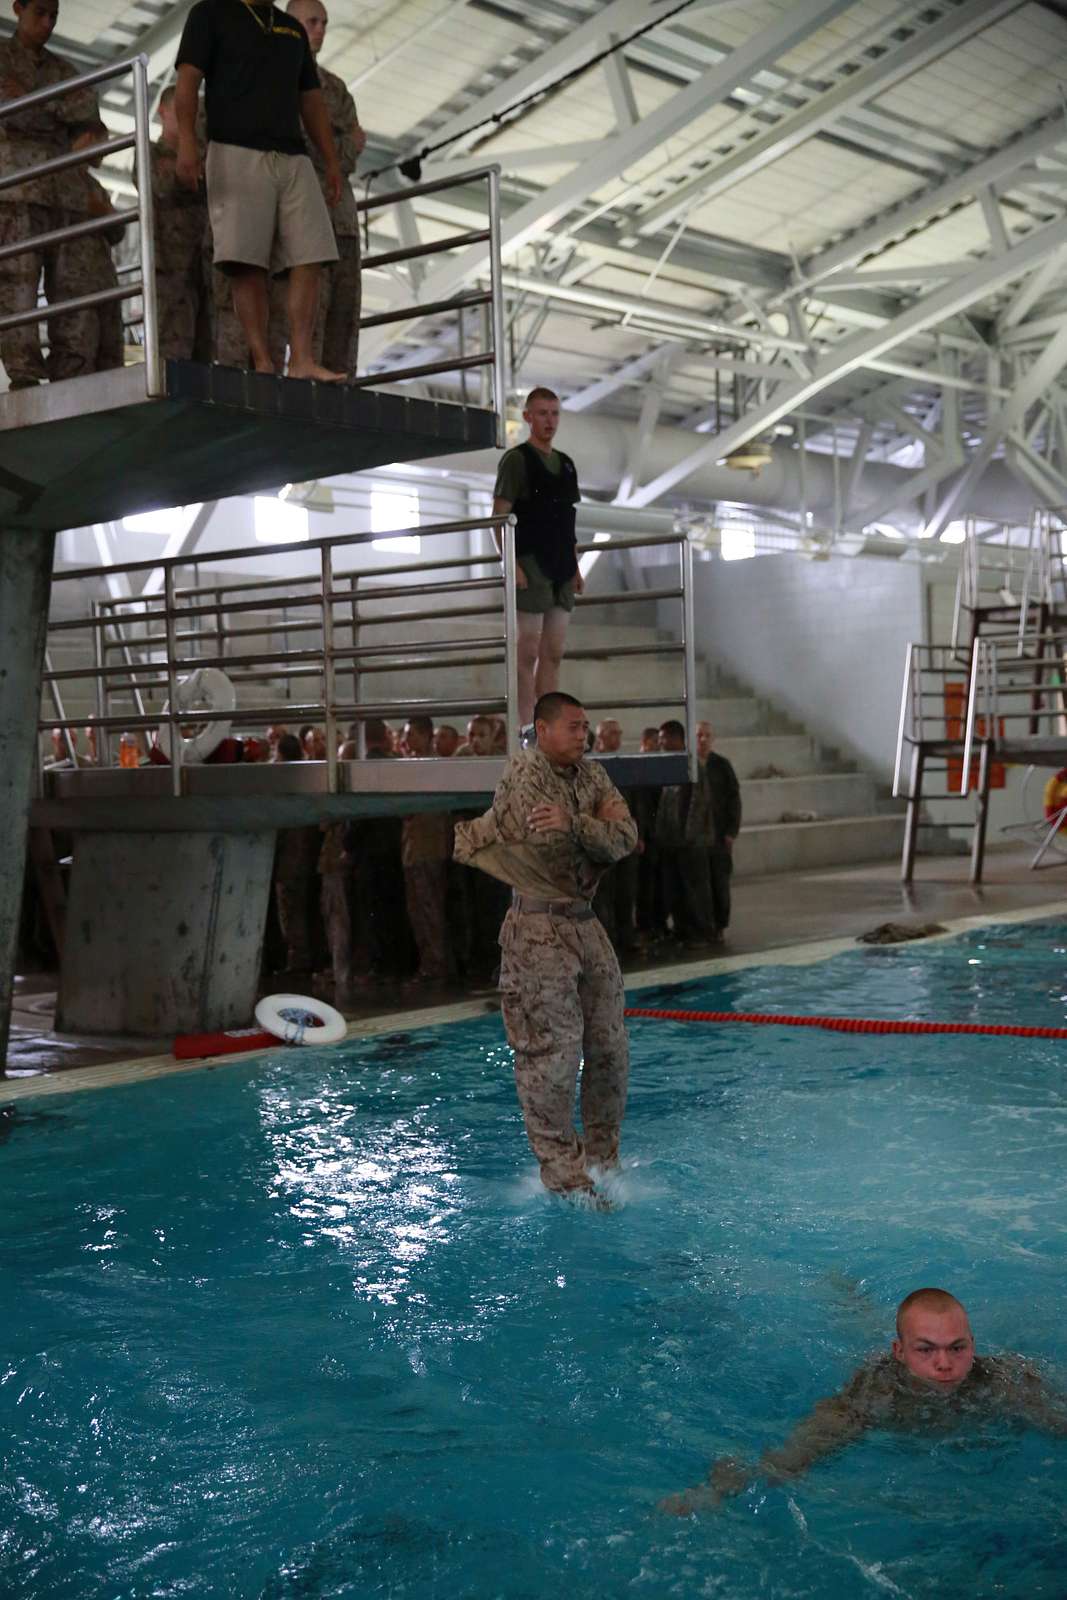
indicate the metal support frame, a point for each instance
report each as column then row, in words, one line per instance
column 791, row 393
column 857, row 87
column 710, row 88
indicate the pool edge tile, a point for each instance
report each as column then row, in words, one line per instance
column 114, row 1074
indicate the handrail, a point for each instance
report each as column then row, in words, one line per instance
column 494, row 355
column 317, row 677
column 140, row 143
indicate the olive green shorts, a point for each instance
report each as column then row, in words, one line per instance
column 541, row 594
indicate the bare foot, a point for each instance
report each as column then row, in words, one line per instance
column 265, row 366
column 309, row 369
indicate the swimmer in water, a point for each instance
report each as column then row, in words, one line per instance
column 930, row 1379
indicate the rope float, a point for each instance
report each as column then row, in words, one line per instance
column 764, row 1019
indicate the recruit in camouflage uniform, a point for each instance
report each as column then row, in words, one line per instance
column 336, row 342
column 561, row 988
column 85, row 266
column 183, row 265
column 28, row 209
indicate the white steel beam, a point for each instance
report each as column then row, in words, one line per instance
column 621, row 90
column 629, row 372
column 998, row 234
column 854, row 471
column 917, row 52
column 909, row 214
column 546, row 209
column 1030, row 291
column 948, row 301
column 160, row 42
column 180, row 544
column 579, row 45
column 1029, row 389
column 651, row 406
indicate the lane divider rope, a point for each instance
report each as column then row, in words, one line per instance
column 762, row 1019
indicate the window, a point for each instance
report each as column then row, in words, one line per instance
column 737, row 541
column 175, row 520
column 954, row 533
column 278, row 521
column 395, row 508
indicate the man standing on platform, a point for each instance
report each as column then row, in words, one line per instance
column 340, row 294
column 556, row 822
column 39, row 134
column 267, row 212
column 540, row 484
column 724, row 804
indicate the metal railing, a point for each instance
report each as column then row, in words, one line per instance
column 492, row 358
column 139, row 141
column 1016, row 706
column 315, row 641
column 1010, row 591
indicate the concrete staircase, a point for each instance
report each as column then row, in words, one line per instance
column 854, row 820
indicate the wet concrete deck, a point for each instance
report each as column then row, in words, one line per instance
column 771, row 915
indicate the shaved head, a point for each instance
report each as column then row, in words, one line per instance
column 934, row 1339
column 313, row 18
column 937, row 1301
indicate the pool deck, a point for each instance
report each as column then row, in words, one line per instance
column 791, row 918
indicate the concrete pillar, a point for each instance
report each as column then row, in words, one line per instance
column 164, row 932
column 25, row 581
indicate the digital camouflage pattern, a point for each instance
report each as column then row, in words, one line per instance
column 561, row 988
column 39, row 206
column 183, row 262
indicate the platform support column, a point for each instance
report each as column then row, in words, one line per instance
column 164, row 932
column 25, row 580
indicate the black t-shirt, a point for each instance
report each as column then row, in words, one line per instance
column 256, row 62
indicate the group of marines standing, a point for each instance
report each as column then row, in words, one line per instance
column 198, row 289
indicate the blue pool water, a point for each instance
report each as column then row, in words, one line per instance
column 308, row 1328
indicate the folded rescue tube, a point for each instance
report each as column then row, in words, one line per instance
column 296, row 1019
column 765, row 1019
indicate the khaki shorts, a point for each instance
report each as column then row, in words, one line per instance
column 541, row 594
column 266, row 210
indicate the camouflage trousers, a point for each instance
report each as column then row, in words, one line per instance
column 183, row 303
column 75, row 339
column 426, row 892
column 337, row 917
column 562, row 1002
column 336, row 338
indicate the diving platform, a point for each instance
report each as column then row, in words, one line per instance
column 98, row 448
column 293, row 794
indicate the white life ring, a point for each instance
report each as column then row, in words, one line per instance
column 206, row 689
column 296, row 1019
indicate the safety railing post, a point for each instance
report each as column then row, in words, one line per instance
column 496, row 285
column 977, row 667
column 357, row 679
column 329, row 686
column 172, row 679
column 154, row 385
column 511, row 635
column 685, row 550
column 103, row 741
column 905, row 693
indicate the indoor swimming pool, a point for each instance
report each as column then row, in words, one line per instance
column 308, row 1326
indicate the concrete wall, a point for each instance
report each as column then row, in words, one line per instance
column 824, row 640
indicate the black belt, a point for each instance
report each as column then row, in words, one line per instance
column 577, row 910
